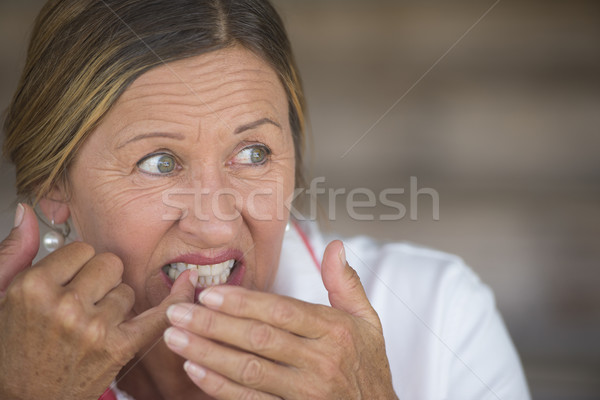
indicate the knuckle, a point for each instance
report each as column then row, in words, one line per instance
column 215, row 387
column 260, row 336
column 32, row 291
column 16, row 292
column 10, row 247
column 94, row 332
column 252, row 373
column 376, row 320
column 283, row 313
column 112, row 262
column 68, row 310
column 126, row 293
column 31, row 283
column 354, row 280
column 200, row 353
column 239, row 303
column 207, row 323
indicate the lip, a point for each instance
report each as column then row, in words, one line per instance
column 200, row 259
column 235, row 279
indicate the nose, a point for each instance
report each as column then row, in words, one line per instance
column 215, row 219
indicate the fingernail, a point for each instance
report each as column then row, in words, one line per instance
column 209, row 297
column 342, row 255
column 19, row 214
column 194, row 369
column 179, row 315
column 176, row 338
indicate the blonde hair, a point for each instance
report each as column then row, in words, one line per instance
column 84, row 53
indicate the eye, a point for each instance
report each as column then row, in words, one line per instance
column 158, row 164
column 253, row 155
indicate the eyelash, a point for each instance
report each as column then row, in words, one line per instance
column 159, row 153
column 177, row 166
column 257, row 146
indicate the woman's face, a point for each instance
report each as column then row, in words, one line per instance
column 190, row 166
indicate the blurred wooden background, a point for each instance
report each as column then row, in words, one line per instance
column 505, row 127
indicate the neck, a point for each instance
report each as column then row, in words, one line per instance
column 159, row 375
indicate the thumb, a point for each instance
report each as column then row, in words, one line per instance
column 20, row 247
column 346, row 292
column 148, row 326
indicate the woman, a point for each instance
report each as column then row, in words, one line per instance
column 169, row 133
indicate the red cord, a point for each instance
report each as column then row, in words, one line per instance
column 307, row 244
column 108, row 395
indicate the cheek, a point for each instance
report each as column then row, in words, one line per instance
column 265, row 196
column 268, row 236
column 266, row 215
column 128, row 223
column 114, row 217
column 113, row 213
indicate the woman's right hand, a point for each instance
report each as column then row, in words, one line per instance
column 65, row 329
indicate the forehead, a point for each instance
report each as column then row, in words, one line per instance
column 210, row 83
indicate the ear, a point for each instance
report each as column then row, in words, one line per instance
column 54, row 207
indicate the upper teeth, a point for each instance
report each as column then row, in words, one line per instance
column 208, row 275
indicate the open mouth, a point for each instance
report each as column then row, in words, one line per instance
column 208, row 275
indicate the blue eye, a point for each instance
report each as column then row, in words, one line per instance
column 253, row 155
column 158, row 164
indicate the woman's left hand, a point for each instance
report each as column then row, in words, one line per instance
column 248, row 344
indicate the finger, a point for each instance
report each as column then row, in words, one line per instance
column 62, row 265
column 99, row 275
column 19, row 249
column 219, row 387
column 253, row 336
column 346, row 292
column 303, row 319
column 117, row 303
column 145, row 328
column 240, row 367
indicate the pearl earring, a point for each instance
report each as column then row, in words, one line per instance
column 55, row 239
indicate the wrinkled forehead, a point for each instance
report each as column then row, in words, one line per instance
column 234, row 68
column 215, row 92
column 211, row 83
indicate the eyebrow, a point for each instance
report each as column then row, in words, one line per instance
column 177, row 136
column 255, row 124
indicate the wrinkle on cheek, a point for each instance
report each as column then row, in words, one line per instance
column 128, row 198
column 265, row 198
column 276, row 165
column 115, row 191
column 246, row 185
